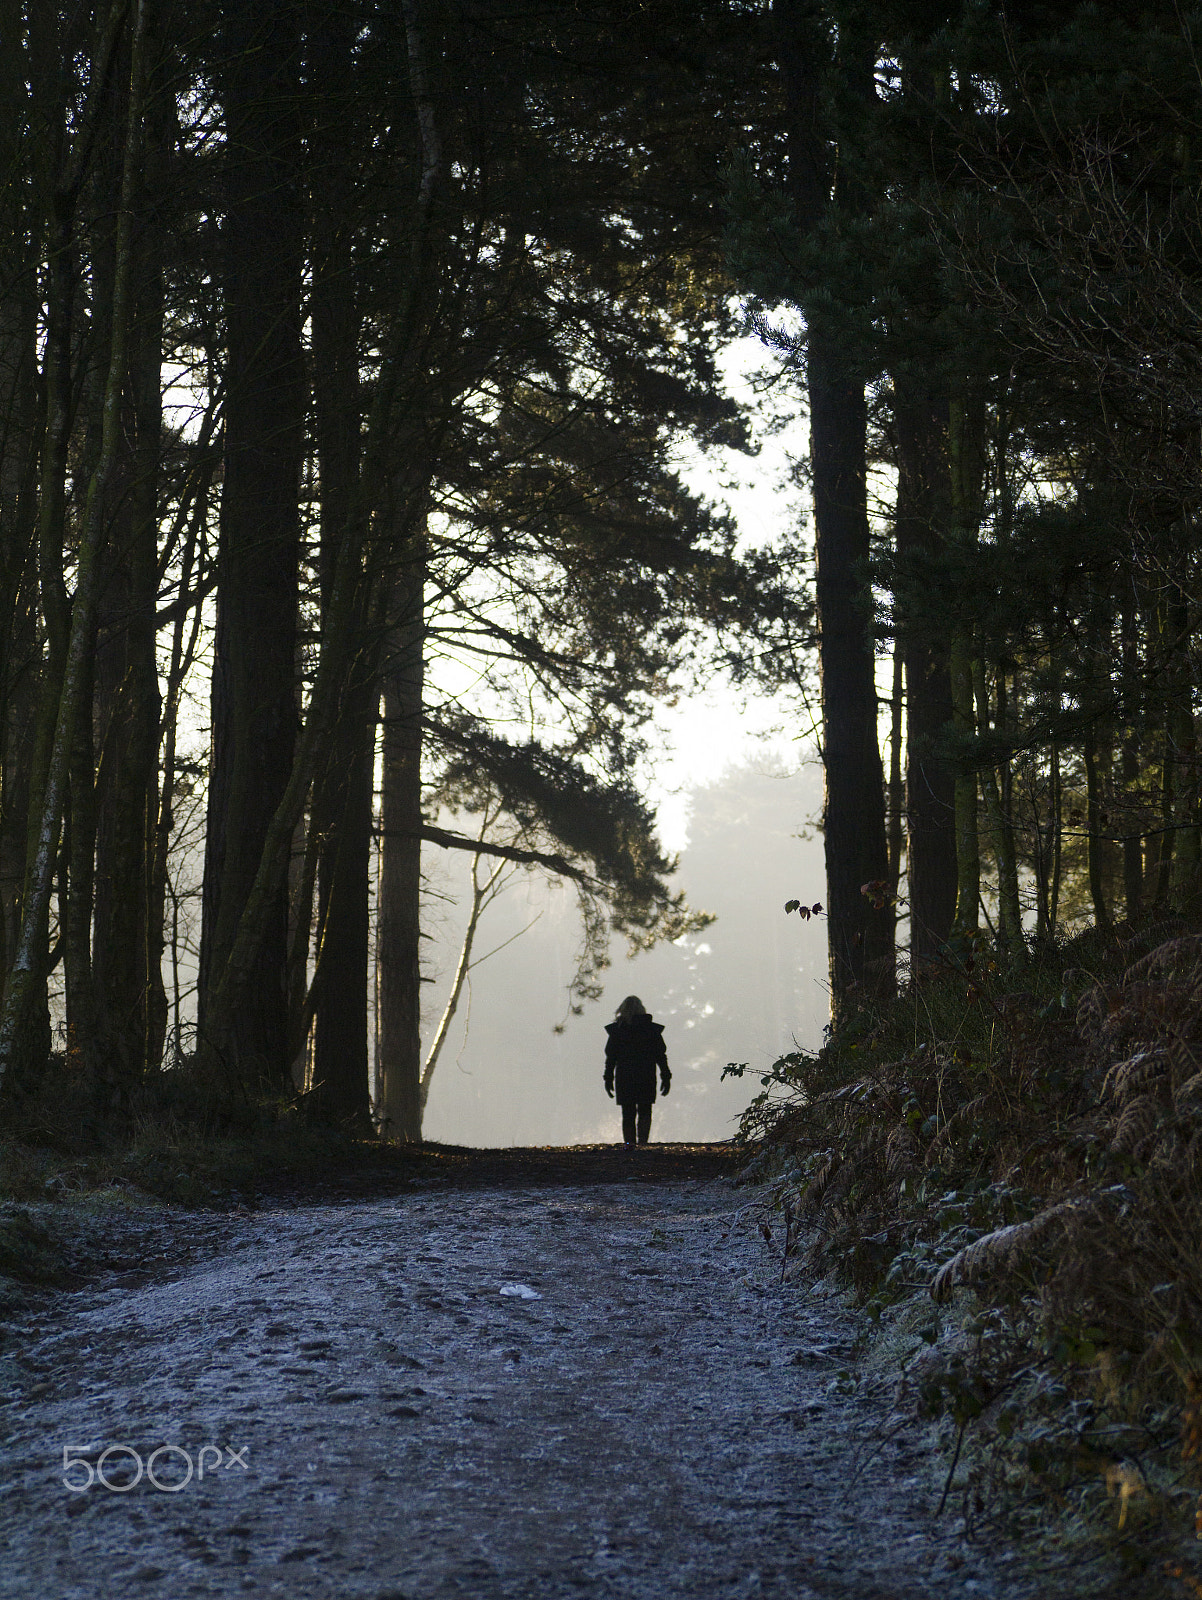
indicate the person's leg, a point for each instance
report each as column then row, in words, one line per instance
column 628, row 1124
column 644, row 1123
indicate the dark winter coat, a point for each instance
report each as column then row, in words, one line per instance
column 634, row 1049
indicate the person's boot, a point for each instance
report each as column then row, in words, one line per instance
column 644, row 1125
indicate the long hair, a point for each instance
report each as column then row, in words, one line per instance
column 630, row 1008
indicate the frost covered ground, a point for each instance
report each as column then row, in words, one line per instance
column 375, row 1419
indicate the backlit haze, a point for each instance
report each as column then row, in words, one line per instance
column 737, row 791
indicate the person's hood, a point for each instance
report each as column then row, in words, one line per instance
column 641, row 1024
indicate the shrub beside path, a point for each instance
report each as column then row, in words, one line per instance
column 665, row 1419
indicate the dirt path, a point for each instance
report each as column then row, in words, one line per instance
column 376, row 1419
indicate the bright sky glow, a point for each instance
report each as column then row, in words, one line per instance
column 700, row 737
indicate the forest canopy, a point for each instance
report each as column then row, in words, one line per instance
column 344, row 349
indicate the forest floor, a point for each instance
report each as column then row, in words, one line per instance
column 650, row 1412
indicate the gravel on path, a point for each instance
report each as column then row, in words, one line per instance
column 339, row 1400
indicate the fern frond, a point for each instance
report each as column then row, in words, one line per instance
column 998, row 1250
column 1128, row 1077
column 1141, row 1117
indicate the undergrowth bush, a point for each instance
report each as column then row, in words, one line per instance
column 175, row 1136
column 1030, row 1158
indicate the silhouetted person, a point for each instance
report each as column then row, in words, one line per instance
column 634, row 1049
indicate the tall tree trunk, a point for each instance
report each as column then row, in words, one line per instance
column 126, row 952
column 1184, row 738
column 1133, row 851
column 1168, row 770
column 342, row 805
column 87, row 1041
column 922, row 522
column 59, row 174
column 254, row 697
column 897, row 792
column 20, row 242
column 253, row 934
column 966, row 461
column 185, row 636
column 27, row 975
column 1187, row 878
column 341, row 1087
column 1001, row 827
column 398, row 969
column 1057, row 840
column 1095, row 748
column 860, row 926
column 860, row 932
column 968, row 846
column 1093, row 828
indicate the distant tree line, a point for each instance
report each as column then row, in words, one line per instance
column 342, row 348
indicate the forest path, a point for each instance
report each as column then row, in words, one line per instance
column 667, row 1420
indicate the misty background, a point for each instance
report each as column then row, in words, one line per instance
column 748, row 988
column 737, row 788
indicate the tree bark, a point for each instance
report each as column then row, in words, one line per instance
column 1001, row 827
column 341, row 1087
column 967, row 840
column 1057, row 840
column 398, row 968
column 1168, row 771
column 342, row 805
column 254, row 696
column 127, row 950
column 922, row 524
column 966, row 452
column 1187, row 867
column 27, row 974
column 1093, row 828
column 1133, row 849
column 860, row 933
column 1184, row 740
column 860, row 928
column 21, row 239
column 896, row 806
column 59, row 168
